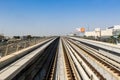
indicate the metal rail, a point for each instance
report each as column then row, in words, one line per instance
column 84, row 71
column 69, row 68
column 108, row 66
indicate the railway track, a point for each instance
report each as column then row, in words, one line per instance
column 69, row 73
column 49, row 58
column 61, row 58
column 25, row 67
column 84, row 71
column 69, row 68
column 108, row 58
column 109, row 67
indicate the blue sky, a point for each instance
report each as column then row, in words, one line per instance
column 56, row 17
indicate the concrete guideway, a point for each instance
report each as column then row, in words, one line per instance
column 10, row 71
column 60, row 58
column 83, row 69
column 14, row 56
column 60, row 71
column 100, row 45
column 107, row 67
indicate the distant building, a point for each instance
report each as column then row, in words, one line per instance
column 110, row 31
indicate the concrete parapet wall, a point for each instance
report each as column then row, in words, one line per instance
column 4, row 61
column 103, row 45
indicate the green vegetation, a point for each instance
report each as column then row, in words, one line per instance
column 112, row 39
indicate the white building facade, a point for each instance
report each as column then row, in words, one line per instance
column 110, row 31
